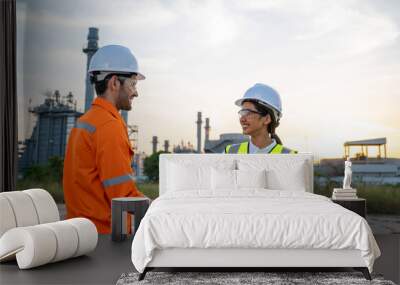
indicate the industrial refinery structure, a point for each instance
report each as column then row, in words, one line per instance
column 55, row 119
column 58, row 115
column 210, row 146
column 366, row 168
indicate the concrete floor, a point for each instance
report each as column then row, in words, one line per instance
column 384, row 224
column 388, row 263
column 386, row 231
column 104, row 265
column 110, row 259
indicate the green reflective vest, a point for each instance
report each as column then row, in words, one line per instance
column 243, row 148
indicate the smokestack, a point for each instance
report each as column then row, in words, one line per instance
column 199, row 122
column 166, row 145
column 155, row 142
column 91, row 48
column 207, row 129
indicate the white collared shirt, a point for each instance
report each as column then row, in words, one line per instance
column 254, row 149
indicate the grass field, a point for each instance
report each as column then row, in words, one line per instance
column 55, row 189
column 381, row 199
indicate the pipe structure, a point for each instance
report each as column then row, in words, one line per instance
column 166, row 145
column 199, row 123
column 207, row 129
column 154, row 142
column 91, row 48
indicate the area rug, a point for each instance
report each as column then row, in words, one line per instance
column 229, row 278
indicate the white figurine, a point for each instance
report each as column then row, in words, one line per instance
column 347, row 174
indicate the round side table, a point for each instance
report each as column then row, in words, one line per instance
column 120, row 207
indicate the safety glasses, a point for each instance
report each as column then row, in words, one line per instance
column 248, row 112
column 128, row 82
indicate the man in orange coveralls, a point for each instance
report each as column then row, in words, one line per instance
column 97, row 165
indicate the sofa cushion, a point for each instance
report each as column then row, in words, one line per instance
column 7, row 220
column 40, row 244
column 46, row 207
column 26, row 208
column 23, row 208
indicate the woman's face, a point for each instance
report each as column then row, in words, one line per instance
column 253, row 123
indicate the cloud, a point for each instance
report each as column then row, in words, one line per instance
column 348, row 30
column 150, row 14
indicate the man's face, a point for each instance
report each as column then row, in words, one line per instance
column 127, row 92
column 251, row 121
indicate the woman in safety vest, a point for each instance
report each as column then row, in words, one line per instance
column 261, row 110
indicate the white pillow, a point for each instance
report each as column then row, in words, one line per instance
column 193, row 174
column 188, row 177
column 251, row 178
column 223, row 179
column 292, row 179
column 282, row 173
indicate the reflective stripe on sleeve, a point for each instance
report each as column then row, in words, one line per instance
column 117, row 180
column 82, row 125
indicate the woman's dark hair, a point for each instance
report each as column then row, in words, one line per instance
column 271, row 126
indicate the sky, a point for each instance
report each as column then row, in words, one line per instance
column 336, row 64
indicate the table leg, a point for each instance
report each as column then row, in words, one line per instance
column 117, row 222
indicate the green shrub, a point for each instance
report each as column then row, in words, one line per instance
column 150, row 166
column 149, row 189
column 48, row 177
column 52, row 171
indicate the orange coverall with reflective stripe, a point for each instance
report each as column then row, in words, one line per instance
column 97, row 165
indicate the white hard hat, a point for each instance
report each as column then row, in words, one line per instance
column 114, row 58
column 264, row 95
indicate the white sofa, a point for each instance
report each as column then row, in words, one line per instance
column 31, row 231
